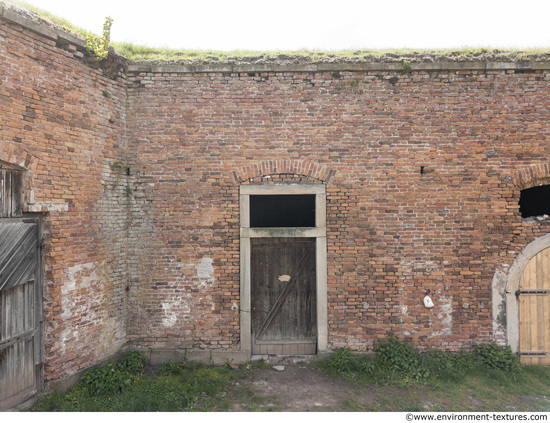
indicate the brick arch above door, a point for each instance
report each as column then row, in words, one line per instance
column 273, row 167
column 16, row 156
column 533, row 175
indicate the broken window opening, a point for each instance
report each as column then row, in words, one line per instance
column 535, row 201
column 11, row 193
column 282, row 211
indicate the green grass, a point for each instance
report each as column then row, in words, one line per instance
column 143, row 53
column 183, row 386
column 406, row 382
column 478, row 390
column 489, row 378
column 62, row 22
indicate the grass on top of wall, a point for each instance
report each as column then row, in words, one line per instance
column 146, row 53
column 59, row 21
column 143, row 53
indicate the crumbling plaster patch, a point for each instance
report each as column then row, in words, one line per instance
column 205, row 272
column 178, row 308
column 445, row 316
column 441, row 321
column 500, row 279
column 81, row 305
column 174, row 309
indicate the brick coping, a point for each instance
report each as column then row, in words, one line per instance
column 31, row 21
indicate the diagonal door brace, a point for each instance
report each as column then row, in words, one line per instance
column 282, row 296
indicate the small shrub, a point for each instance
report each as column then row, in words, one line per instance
column 342, row 361
column 172, row 368
column 132, row 363
column 113, row 378
column 106, row 380
column 441, row 365
column 393, row 354
column 493, row 356
column 99, row 47
column 368, row 366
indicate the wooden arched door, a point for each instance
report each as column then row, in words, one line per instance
column 534, row 310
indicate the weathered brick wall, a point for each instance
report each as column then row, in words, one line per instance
column 393, row 231
column 63, row 120
column 137, row 175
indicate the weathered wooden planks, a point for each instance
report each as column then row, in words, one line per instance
column 11, row 193
column 17, row 338
column 534, row 310
column 20, row 311
column 18, row 253
column 283, row 274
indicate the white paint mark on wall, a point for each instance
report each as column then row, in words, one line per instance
column 74, row 278
column 205, row 272
column 174, row 310
column 170, row 317
column 82, row 278
column 445, row 316
column 191, row 275
column 427, row 266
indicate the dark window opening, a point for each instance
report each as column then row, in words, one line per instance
column 282, row 211
column 11, row 193
column 535, row 201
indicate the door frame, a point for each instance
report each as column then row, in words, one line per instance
column 318, row 232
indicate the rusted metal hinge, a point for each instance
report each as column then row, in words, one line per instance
column 531, row 292
column 534, row 353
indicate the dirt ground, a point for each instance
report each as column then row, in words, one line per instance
column 291, row 384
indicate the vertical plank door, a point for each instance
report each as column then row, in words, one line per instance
column 20, row 305
column 534, row 310
column 283, row 278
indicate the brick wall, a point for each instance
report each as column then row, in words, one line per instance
column 137, row 174
column 422, row 195
column 62, row 121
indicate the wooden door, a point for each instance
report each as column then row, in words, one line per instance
column 20, row 311
column 534, row 310
column 283, row 296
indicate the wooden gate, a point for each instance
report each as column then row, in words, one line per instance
column 20, row 311
column 283, row 296
column 534, row 310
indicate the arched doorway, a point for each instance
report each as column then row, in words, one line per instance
column 525, row 302
column 534, row 310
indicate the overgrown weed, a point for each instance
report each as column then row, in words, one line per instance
column 397, row 362
column 183, row 386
